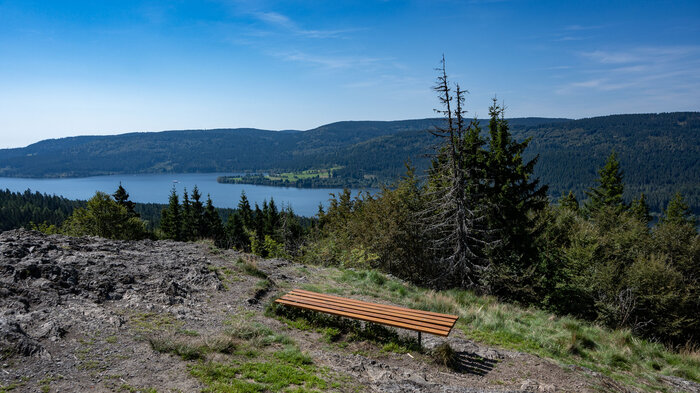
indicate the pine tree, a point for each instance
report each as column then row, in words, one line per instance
column 188, row 229
column 259, row 224
column 215, row 228
column 569, row 201
column 122, row 198
column 238, row 238
column 245, row 211
column 171, row 218
column 197, row 214
column 291, row 231
column 640, row 209
column 272, row 219
column 609, row 191
column 455, row 216
column 678, row 212
column 515, row 198
column 267, row 230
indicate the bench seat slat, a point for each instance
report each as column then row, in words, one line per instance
column 372, row 308
column 407, row 312
column 365, row 318
column 369, row 313
column 427, row 313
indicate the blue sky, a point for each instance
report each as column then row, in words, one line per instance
column 106, row 67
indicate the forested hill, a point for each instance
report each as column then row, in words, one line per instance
column 225, row 150
column 660, row 153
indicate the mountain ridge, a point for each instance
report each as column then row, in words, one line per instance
column 660, row 153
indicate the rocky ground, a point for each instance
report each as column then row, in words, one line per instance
column 78, row 314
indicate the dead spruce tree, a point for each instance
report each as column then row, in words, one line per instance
column 456, row 216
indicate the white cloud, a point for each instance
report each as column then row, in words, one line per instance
column 582, row 27
column 284, row 22
column 669, row 68
column 328, row 61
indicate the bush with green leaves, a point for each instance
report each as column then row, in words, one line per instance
column 104, row 217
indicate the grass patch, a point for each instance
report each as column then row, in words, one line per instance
column 10, row 387
column 331, row 334
column 249, row 267
column 263, row 361
column 616, row 353
column 256, row 376
column 150, row 322
column 132, row 389
column 192, row 349
column 264, row 285
column 256, row 334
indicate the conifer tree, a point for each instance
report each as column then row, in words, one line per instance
column 609, row 191
column 258, row 242
column 259, row 224
column 271, row 219
column 291, row 231
column 171, row 218
column 215, row 228
column 678, row 212
column 122, row 198
column 197, row 214
column 515, row 198
column 569, row 201
column 238, row 238
column 267, row 230
column 640, row 209
column 188, row 229
column 245, row 211
column 455, row 216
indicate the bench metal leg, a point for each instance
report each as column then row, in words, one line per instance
column 419, row 340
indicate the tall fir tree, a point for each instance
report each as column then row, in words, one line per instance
column 515, row 197
column 678, row 212
column 238, row 238
column 188, row 229
column 245, row 211
column 609, row 191
column 640, row 209
column 291, row 231
column 259, row 224
column 215, row 228
column 171, row 218
column 272, row 219
column 198, row 213
column 265, row 211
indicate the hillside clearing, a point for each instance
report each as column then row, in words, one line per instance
column 93, row 314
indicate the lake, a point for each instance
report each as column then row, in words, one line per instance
column 155, row 188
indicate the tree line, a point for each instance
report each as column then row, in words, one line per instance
column 268, row 231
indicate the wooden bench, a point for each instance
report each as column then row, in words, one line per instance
column 400, row 317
